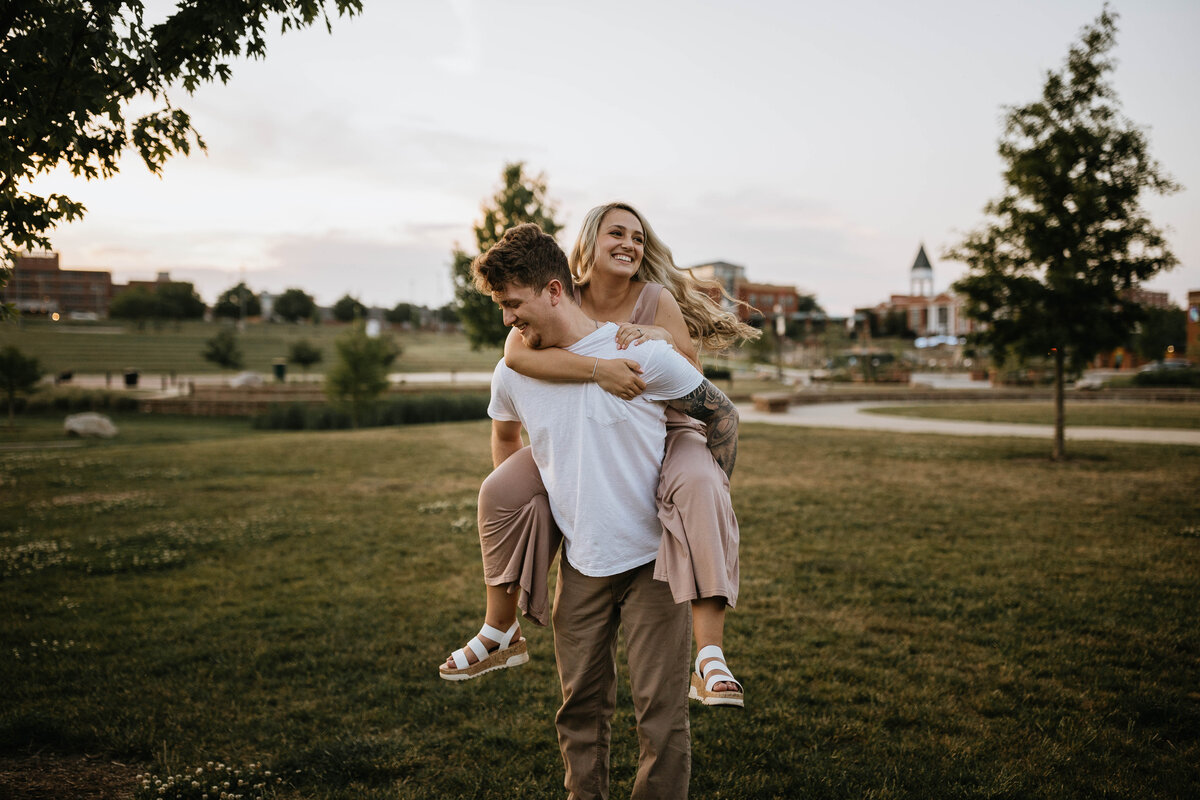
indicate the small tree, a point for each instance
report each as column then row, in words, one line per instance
column 136, row 305
column 178, row 300
column 1161, row 330
column 521, row 199
column 224, row 350
column 237, row 302
column 294, row 305
column 447, row 314
column 1048, row 274
column 348, row 309
column 18, row 374
column 304, row 354
column 404, row 312
column 359, row 376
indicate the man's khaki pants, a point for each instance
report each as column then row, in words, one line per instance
column 587, row 614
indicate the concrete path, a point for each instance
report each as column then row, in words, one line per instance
column 852, row 415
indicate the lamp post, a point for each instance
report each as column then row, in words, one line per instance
column 780, row 329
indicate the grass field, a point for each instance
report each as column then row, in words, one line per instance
column 1083, row 413
column 921, row 617
column 113, row 346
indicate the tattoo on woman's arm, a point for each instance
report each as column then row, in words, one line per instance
column 710, row 405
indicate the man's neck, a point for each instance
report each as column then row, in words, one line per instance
column 576, row 325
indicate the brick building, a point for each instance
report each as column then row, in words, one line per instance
column 754, row 300
column 40, row 286
column 927, row 314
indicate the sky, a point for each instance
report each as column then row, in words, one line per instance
column 816, row 144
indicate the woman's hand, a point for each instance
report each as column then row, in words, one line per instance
column 620, row 377
column 630, row 334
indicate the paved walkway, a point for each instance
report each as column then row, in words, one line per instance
column 852, row 415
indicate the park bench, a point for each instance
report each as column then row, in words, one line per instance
column 772, row 402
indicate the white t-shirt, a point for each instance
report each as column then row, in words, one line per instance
column 599, row 456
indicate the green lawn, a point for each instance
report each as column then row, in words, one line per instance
column 921, row 617
column 114, row 346
column 1082, row 413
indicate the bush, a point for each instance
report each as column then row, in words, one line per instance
column 411, row 409
column 718, row 373
column 71, row 401
column 1168, row 377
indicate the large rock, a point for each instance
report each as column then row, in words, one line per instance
column 90, row 424
column 246, row 379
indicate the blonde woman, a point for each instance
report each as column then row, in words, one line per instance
column 625, row 274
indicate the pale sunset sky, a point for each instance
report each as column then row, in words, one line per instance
column 816, row 144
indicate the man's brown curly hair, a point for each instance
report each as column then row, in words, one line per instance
column 525, row 255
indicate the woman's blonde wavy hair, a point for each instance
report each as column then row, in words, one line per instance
column 710, row 325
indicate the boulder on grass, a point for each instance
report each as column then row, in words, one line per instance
column 246, row 379
column 90, row 424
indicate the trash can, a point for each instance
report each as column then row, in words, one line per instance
column 131, row 378
column 279, row 367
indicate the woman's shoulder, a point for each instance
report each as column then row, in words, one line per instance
column 646, row 307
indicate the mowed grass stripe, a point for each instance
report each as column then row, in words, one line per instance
column 921, row 617
column 1085, row 413
column 114, row 347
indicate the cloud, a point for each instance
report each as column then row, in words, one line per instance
column 465, row 58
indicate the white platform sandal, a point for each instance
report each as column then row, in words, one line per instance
column 508, row 654
column 714, row 672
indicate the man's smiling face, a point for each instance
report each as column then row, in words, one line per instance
column 528, row 311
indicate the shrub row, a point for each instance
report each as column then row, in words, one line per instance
column 1179, row 377
column 406, row 410
column 718, row 373
column 70, row 401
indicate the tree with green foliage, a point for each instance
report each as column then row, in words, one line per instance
column 521, row 199
column 19, row 373
column 294, row 305
column 224, row 350
column 404, row 313
column 237, row 302
column 173, row 300
column 1162, row 332
column 1048, row 272
column 348, row 309
column 447, row 314
column 72, row 71
column 178, row 300
column 304, row 354
column 359, row 376
column 135, row 304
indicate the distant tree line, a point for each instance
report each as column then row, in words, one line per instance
column 178, row 301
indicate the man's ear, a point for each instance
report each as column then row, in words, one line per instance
column 555, row 290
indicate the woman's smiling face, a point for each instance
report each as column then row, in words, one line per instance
column 620, row 244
